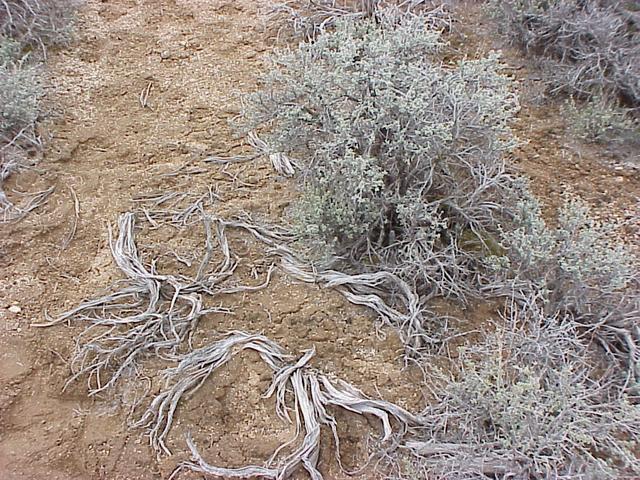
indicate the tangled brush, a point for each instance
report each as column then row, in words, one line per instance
column 309, row 19
column 594, row 45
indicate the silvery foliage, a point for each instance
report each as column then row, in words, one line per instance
column 600, row 120
column 402, row 154
column 19, row 93
column 9, row 51
column 524, row 404
column 339, row 203
column 583, row 272
column 594, row 44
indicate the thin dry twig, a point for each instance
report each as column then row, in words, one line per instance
column 144, row 95
column 76, row 219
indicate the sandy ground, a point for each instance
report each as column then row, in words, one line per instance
column 195, row 58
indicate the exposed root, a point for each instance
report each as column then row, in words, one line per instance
column 168, row 208
column 313, row 393
column 281, row 163
column 150, row 313
column 392, row 299
column 10, row 213
column 369, row 290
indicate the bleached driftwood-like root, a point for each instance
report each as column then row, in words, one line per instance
column 148, row 312
column 153, row 313
column 280, row 162
column 391, row 298
column 10, row 212
column 193, row 369
column 168, row 208
column 313, row 393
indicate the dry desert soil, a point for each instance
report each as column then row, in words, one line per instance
column 192, row 60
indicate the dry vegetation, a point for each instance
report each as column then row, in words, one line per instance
column 405, row 199
column 589, row 50
column 27, row 29
column 402, row 171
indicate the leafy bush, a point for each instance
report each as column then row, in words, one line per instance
column 19, row 109
column 582, row 271
column 402, row 155
column 19, row 94
column 599, row 120
column 595, row 43
column 524, row 404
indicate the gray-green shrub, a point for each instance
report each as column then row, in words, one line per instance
column 600, row 120
column 19, row 98
column 27, row 28
column 401, row 154
column 581, row 270
column 594, row 45
column 525, row 404
column 9, row 51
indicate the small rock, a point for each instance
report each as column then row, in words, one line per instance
column 15, row 309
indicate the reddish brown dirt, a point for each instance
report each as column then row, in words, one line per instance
column 199, row 56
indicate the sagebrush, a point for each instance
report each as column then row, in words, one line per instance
column 525, row 404
column 402, row 156
column 19, row 98
column 20, row 93
column 599, row 120
column 27, row 29
column 581, row 270
column 593, row 45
